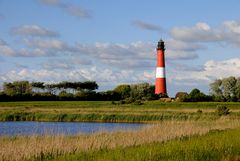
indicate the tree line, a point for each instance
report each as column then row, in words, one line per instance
column 221, row 90
column 226, row 89
column 40, row 91
column 25, row 90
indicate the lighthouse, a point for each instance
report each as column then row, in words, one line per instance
column 160, row 84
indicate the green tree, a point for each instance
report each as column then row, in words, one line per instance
column 216, row 90
column 65, row 96
column 237, row 89
column 181, row 96
column 17, row 88
column 8, row 88
column 124, row 90
column 196, row 95
column 229, row 88
column 143, row 91
column 226, row 89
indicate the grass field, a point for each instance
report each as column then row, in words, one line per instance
column 105, row 111
column 183, row 131
column 97, row 104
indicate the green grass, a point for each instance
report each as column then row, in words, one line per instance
column 93, row 117
column 57, row 104
column 105, row 111
column 214, row 146
column 108, row 104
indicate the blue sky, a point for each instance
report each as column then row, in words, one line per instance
column 113, row 42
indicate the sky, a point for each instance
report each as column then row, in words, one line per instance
column 114, row 42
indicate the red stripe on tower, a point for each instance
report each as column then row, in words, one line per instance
column 160, row 85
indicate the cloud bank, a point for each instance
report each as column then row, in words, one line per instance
column 210, row 71
column 34, row 30
column 228, row 32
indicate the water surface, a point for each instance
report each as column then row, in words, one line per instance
column 67, row 128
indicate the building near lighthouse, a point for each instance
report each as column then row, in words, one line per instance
column 160, row 83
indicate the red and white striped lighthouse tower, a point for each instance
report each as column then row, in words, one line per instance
column 160, row 85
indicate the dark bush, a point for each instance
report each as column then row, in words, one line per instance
column 199, row 111
column 122, row 102
column 222, row 110
column 181, row 96
column 138, row 102
column 196, row 96
column 129, row 100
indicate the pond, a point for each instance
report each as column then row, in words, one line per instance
column 67, row 128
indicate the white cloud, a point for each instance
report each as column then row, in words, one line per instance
column 46, row 44
column 178, row 45
column 185, row 67
column 38, row 47
column 207, row 73
column 233, row 26
column 79, row 61
column 34, row 30
column 107, row 77
column 180, row 55
column 228, row 32
column 65, row 64
column 77, row 11
column 5, row 49
column 201, row 32
column 133, row 55
column 41, row 75
column 146, row 26
column 73, row 10
column 56, row 65
column 109, row 53
column 221, row 69
column 130, row 64
column 136, row 51
column 203, row 26
column 103, row 76
column 106, row 50
column 36, row 52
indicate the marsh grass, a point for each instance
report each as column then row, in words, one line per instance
column 176, row 120
column 108, row 104
column 104, row 111
column 131, row 116
column 49, row 147
column 216, row 145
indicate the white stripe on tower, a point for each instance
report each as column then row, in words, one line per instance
column 160, row 72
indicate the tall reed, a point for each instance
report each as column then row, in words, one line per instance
column 48, row 146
